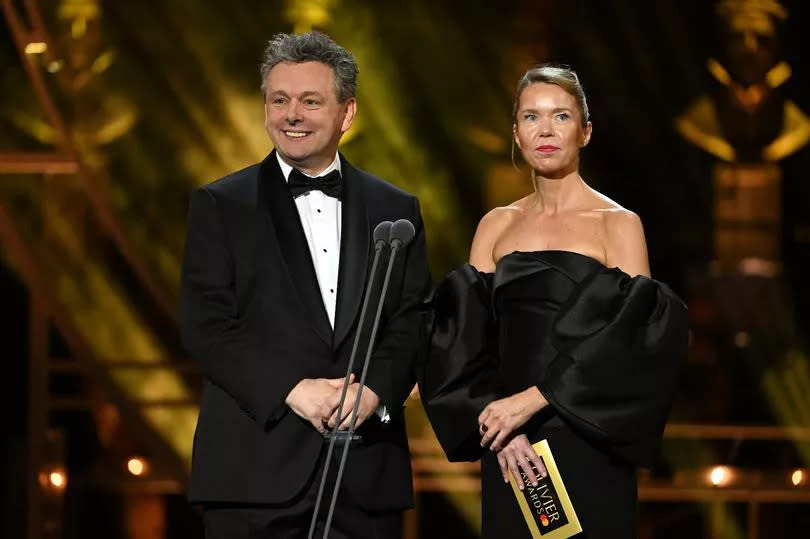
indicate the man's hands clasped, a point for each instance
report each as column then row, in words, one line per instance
column 316, row 400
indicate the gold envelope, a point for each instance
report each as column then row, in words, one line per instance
column 546, row 507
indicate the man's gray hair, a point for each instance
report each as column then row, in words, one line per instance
column 312, row 47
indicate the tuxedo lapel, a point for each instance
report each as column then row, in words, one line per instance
column 285, row 223
column 355, row 245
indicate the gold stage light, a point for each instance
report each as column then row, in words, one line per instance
column 720, row 476
column 53, row 480
column 57, row 479
column 36, row 47
column 137, row 466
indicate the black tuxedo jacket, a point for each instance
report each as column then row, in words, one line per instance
column 253, row 317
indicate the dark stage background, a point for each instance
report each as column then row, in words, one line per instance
column 133, row 104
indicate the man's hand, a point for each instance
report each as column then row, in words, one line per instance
column 369, row 402
column 315, row 400
column 518, row 453
column 502, row 417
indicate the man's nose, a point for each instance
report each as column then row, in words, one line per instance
column 293, row 112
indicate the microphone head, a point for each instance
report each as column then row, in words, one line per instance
column 402, row 232
column 382, row 233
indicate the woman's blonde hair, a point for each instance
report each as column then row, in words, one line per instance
column 562, row 76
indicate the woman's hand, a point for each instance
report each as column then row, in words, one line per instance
column 502, row 417
column 518, row 453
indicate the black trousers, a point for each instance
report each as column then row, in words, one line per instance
column 291, row 520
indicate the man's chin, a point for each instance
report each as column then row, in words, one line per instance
column 293, row 158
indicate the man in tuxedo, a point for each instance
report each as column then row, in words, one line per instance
column 276, row 261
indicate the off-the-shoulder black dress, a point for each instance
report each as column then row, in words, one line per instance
column 604, row 349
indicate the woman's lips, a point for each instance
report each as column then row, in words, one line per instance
column 546, row 148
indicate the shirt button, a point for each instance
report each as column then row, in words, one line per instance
column 319, row 211
column 332, row 290
column 324, row 250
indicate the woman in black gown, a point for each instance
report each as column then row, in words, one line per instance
column 555, row 331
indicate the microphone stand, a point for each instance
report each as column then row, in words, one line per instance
column 402, row 232
column 381, row 234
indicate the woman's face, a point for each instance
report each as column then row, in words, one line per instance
column 548, row 130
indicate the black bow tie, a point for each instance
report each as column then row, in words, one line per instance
column 331, row 184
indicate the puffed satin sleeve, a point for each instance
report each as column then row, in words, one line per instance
column 457, row 372
column 619, row 345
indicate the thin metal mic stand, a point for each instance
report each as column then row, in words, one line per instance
column 382, row 233
column 402, row 232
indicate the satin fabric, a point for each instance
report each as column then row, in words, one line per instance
column 605, row 350
column 457, row 375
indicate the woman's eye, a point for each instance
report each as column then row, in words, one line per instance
column 563, row 116
column 530, row 117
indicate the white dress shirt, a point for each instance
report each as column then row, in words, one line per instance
column 321, row 219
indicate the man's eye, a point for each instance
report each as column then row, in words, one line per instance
column 530, row 117
column 310, row 102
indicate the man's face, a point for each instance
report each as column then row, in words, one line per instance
column 302, row 114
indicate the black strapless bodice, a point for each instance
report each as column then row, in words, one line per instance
column 528, row 290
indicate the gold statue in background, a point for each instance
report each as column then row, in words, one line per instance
column 749, row 124
column 747, row 118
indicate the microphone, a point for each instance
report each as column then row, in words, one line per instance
column 401, row 233
column 382, row 233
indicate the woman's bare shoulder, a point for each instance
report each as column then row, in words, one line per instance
column 501, row 216
column 625, row 245
column 600, row 201
column 614, row 213
column 490, row 228
column 620, row 221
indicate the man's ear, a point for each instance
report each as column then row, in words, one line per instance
column 351, row 111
